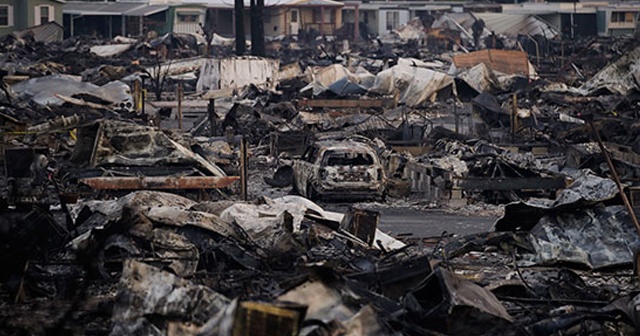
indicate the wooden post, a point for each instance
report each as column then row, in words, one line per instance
column 322, row 21
column 211, row 109
column 514, row 118
column 455, row 115
column 273, row 148
column 356, row 28
column 180, row 106
column 243, row 162
column 137, row 95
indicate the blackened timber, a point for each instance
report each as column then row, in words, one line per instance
column 340, row 103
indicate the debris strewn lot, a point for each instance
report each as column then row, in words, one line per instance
column 149, row 190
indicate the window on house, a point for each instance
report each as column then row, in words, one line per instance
column 294, row 16
column 621, row 17
column 329, row 15
column 393, row 20
column 4, row 15
column 316, row 15
column 187, row 17
column 628, row 17
column 45, row 15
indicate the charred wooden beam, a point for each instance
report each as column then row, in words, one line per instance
column 341, row 103
column 159, row 182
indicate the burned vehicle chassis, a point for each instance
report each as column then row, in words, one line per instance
column 339, row 170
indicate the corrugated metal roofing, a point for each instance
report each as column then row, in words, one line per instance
column 99, row 8
column 147, row 10
column 48, row 32
column 514, row 24
column 112, row 8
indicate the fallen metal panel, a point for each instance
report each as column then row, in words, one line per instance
column 237, row 72
column 514, row 24
column 414, row 85
column 598, row 238
column 46, row 91
column 146, row 291
column 620, row 76
column 111, row 50
column 444, row 299
column 147, row 182
column 48, row 32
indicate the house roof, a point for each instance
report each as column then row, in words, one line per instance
column 147, row 10
column 267, row 3
column 500, row 23
column 314, row 3
column 517, row 24
column 549, row 8
column 111, row 8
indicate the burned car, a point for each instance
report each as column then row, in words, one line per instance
column 339, row 169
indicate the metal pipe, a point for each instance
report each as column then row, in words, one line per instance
column 537, row 50
column 180, row 106
column 614, row 174
column 243, row 162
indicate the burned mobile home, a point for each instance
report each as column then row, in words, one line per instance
column 173, row 184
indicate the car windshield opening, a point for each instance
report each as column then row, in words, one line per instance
column 348, row 159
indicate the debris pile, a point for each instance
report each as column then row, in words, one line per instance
column 148, row 189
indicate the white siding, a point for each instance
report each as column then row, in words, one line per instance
column 188, row 27
column 403, row 18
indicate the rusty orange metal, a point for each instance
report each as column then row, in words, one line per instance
column 510, row 62
column 159, row 182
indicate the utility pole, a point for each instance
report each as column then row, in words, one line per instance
column 260, row 46
column 239, row 15
column 257, row 27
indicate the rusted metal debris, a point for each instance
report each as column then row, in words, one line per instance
column 159, row 183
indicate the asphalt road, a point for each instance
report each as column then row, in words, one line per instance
column 424, row 223
column 430, row 223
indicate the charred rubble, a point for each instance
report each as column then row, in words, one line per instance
column 148, row 190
